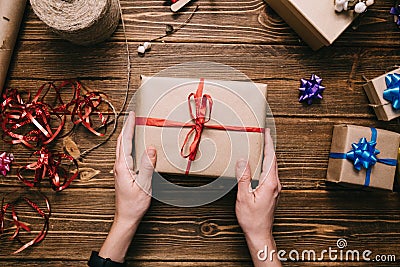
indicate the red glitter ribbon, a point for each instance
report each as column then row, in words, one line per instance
column 45, row 214
column 17, row 113
column 49, row 165
column 28, row 122
column 203, row 115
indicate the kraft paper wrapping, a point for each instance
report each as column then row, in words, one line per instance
column 315, row 21
column 234, row 104
column 11, row 13
column 374, row 89
column 343, row 171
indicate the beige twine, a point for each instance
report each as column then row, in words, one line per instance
column 83, row 22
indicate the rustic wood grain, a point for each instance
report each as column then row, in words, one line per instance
column 281, row 67
column 242, row 21
column 365, row 219
column 180, row 263
column 251, row 37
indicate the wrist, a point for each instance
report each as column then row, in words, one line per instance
column 118, row 240
column 260, row 240
column 125, row 224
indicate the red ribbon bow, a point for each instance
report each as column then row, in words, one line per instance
column 201, row 102
column 202, row 117
column 49, row 165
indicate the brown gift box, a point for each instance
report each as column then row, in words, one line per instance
column 343, row 171
column 316, row 21
column 374, row 89
column 234, row 104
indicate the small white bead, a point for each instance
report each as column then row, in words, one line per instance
column 141, row 49
column 339, row 8
column 345, row 6
column 147, row 45
column 360, row 7
column 369, row 2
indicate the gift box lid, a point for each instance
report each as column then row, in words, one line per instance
column 316, row 21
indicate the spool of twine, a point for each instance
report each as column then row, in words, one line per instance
column 83, row 22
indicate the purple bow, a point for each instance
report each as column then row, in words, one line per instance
column 311, row 89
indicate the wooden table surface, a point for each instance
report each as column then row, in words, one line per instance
column 249, row 36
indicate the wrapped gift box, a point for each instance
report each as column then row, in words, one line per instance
column 235, row 106
column 316, row 21
column 374, row 89
column 347, row 146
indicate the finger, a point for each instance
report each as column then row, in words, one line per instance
column 125, row 149
column 146, row 169
column 118, row 146
column 269, row 163
column 243, row 175
column 127, row 136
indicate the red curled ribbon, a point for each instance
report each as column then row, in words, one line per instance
column 15, row 114
column 201, row 103
column 45, row 214
column 35, row 112
column 49, row 165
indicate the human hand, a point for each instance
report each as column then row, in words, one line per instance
column 132, row 193
column 255, row 208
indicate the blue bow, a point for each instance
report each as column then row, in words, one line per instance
column 392, row 93
column 364, row 154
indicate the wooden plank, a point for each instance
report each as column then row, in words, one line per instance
column 244, row 21
column 185, row 264
column 129, row 263
column 304, row 220
column 281, row 67
column 302, row 154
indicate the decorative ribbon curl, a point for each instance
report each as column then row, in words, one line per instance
column 49, row 165
column 364, row 154
column 45, row 214
column 15, row 114
column 392, row 93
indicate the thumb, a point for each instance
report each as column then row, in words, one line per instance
column 146, row 169
column 243, row 175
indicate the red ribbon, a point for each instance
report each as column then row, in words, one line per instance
column 45, row 214
column 49, row 165
column 203, row 115
column 17, row 113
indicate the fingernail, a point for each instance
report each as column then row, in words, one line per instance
column 151, row 152
column 130, row 113
column 268, row 131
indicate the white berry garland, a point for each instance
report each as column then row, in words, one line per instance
column 359, row 6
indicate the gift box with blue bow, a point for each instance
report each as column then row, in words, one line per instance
column 363, row 156
column 384, row 95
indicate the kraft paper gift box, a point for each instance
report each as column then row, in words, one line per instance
column 347, row 145
column 374, row 89
column 235, row 105
column 315, row 21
